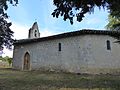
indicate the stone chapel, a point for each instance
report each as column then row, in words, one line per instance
column 82, row 51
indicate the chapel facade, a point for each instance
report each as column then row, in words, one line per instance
column 82, row 51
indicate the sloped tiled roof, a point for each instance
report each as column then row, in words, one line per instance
column 70, row 34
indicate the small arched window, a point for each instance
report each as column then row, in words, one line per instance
column 108, row 45
column 35, row 33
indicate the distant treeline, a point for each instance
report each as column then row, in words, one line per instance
column 6, row 59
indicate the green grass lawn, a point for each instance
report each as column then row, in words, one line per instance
column 36, row 80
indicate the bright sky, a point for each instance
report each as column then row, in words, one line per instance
column 29, row 11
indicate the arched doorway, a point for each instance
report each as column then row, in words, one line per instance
column 26, row 65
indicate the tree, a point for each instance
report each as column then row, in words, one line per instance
column 66, row 8
column 78, row 8
column 5, row 32
column 6, row 59
column 114, row 23
column 0, row 57
column 114, row 7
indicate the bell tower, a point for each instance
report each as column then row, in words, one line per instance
column 34, row 31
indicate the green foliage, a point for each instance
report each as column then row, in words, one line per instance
column 114, row 23
column 6, row 59
column 78, row 8
column 114, row 8
column 0, row 57
column 5, row 32
column 66, row 8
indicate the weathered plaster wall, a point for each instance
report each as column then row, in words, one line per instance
column 80, row 54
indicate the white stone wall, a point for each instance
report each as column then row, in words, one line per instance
column 79, row 54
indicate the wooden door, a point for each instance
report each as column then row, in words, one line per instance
column 26, row 61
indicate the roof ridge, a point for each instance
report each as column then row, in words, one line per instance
column 71, row 34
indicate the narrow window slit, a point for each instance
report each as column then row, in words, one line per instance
column 108, row 45
column 59, row 47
